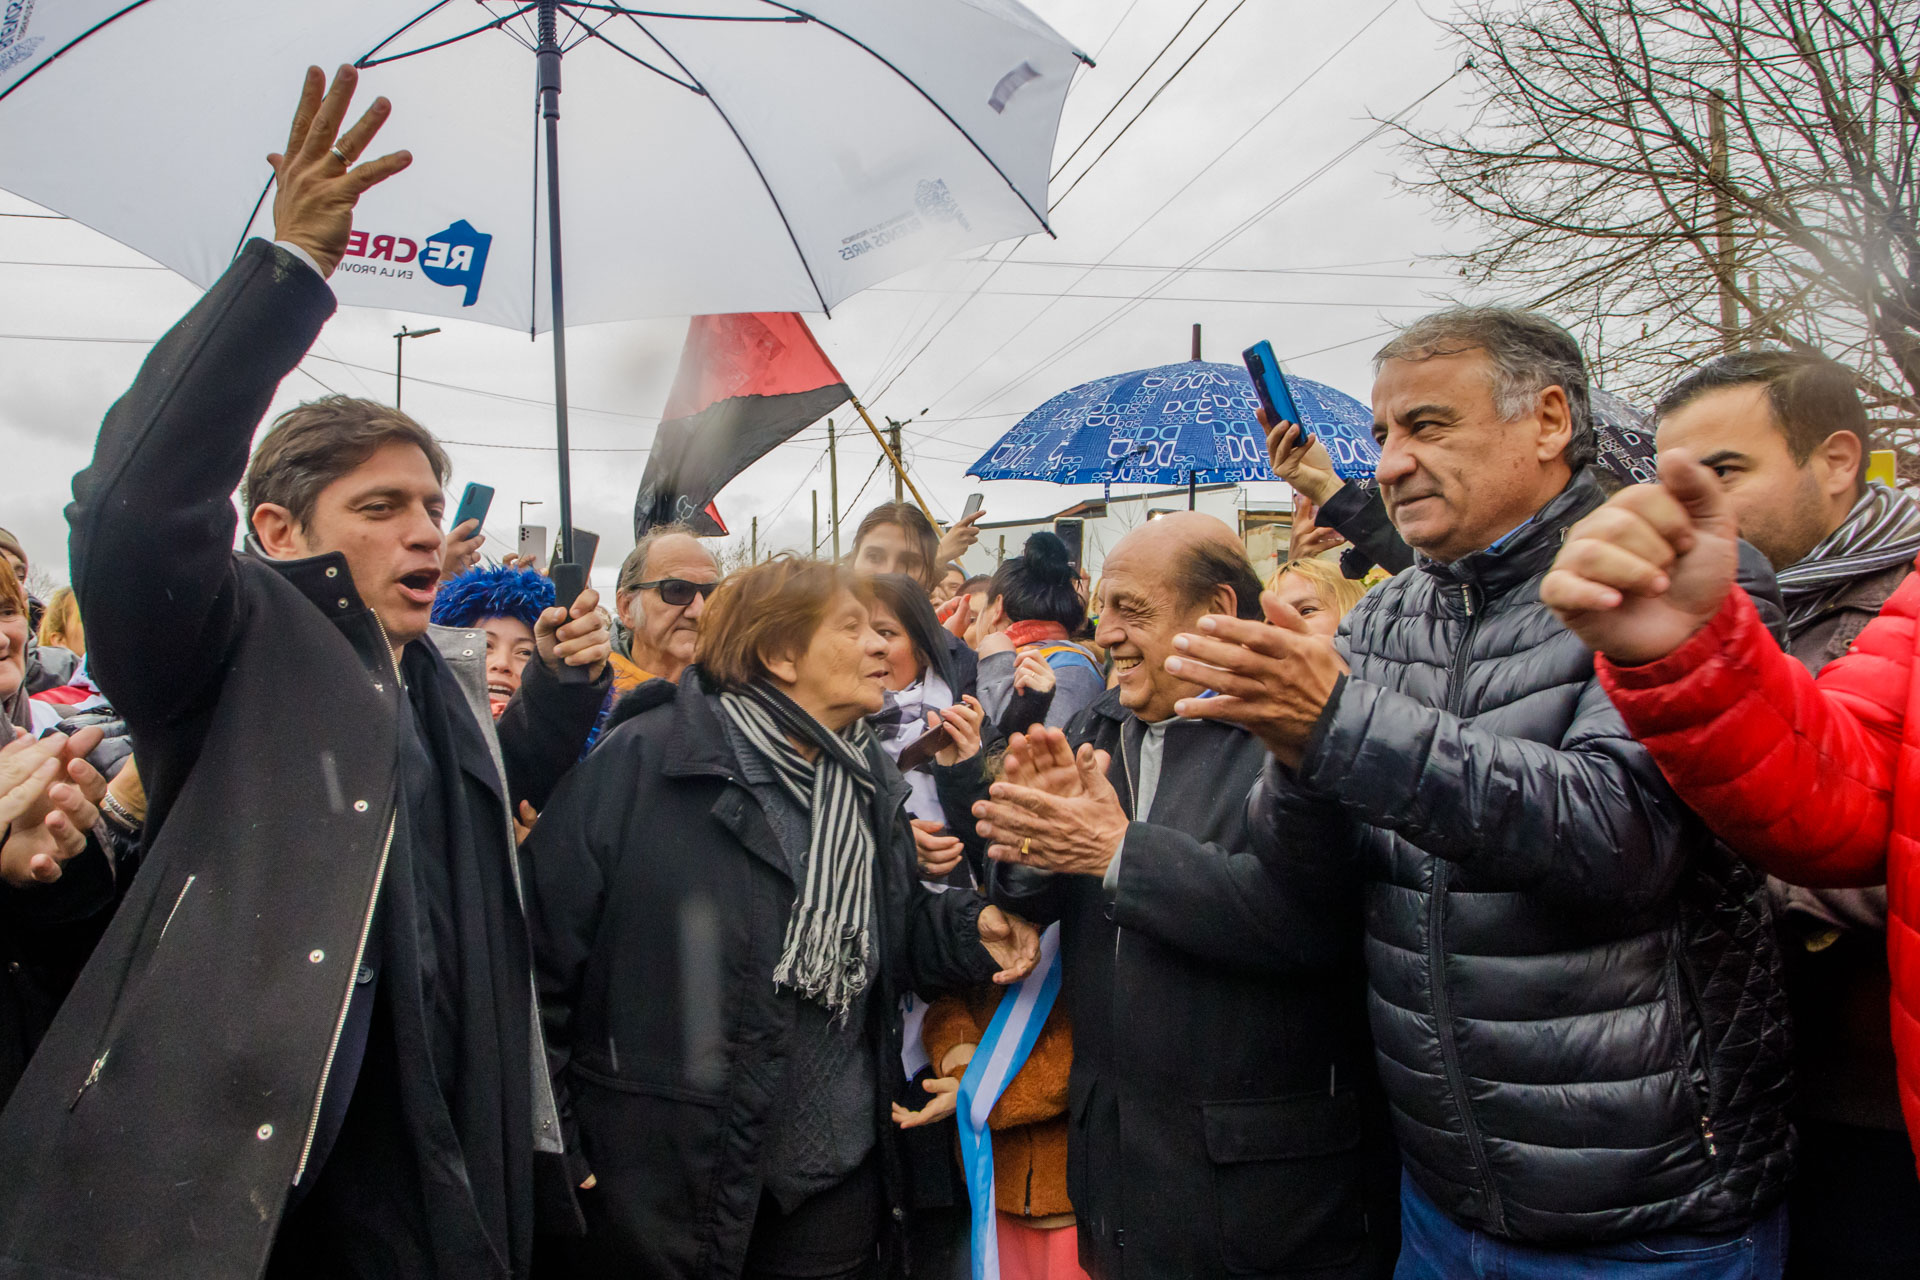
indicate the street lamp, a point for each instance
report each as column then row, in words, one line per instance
column 399, row 345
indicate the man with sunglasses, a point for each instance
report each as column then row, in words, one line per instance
column 663, row 589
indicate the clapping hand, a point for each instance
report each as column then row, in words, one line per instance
column 1639, row 576
column 1273, row 677
column 318, row 179
column 1053, row 808
column 48, row 802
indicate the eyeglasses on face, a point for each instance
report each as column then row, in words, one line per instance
column 677, row 591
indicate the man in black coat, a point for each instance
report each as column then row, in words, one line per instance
column 1576, row 995
column 1223, row 1114
column 306, row 1044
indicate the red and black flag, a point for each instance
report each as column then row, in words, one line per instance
column 746, row 383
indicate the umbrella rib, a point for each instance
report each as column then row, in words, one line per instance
column 687, row 17
column 747, row 151
column 1038, row 216
column 241, row 242
column 690, row 85
column 56, row 54
column 407, row 26
column 370, row 61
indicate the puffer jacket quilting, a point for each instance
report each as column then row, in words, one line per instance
column 1603, row 1049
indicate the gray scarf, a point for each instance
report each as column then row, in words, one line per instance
column 1882, row 530
column 829, row 935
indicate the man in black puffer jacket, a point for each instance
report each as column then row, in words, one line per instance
column 1576, row 996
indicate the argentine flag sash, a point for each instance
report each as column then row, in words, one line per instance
column 1003, row 1051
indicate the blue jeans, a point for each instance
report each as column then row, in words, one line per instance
column 1435, row 1247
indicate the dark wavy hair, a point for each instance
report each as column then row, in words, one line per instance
column 1038, row 585
column 907, row 600
column 479, row 594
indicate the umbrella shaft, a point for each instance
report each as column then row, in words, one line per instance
column 547, row 63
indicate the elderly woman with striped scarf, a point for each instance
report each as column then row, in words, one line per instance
column 727, row 910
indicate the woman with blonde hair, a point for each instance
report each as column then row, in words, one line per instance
column 1318, row 592
column 60, row 624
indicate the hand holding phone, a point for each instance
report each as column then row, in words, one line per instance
column 1270, row 384
column 474, row 505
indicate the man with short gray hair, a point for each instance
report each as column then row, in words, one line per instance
column 663, row 589
column 1575, row 994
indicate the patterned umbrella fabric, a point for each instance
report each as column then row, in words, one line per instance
column 1169, row 424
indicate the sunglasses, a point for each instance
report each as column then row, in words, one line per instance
column 677, row 591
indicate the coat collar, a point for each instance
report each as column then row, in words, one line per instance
column 1529, row 550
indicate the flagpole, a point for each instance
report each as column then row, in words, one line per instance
column 899, row 468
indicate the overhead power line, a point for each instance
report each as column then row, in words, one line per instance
column 1151, row 63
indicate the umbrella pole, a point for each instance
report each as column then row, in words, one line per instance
column 1192, row 491
column 547, row 62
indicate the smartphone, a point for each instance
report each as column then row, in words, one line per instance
column 585, row 544
column 974, row 502
column 924, row 748
column 533, row 542
column 1073, row 533
column 473, row 506
column 1271, row 386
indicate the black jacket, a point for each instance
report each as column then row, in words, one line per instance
column 1359, row 514
column 162, row 1121
column 660, row 897
column 1575, row 993
column 1223, row 1114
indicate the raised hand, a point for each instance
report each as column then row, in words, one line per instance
column 1274, row 677
column 576, row 635
column 1013, row 943
column 1304, row 466
column 318, row 178
column 461, row 551
column 960, row 535
column 1639, row 576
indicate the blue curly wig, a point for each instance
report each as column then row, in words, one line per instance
column 479, row 594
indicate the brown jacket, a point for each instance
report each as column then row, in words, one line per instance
column 1029, row 1122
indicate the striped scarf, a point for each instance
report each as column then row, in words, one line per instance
column 829, row 938
column 1882, row 530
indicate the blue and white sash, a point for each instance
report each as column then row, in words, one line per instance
column 1003, row 1051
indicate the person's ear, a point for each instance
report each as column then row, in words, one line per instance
column 783, row 667
column 1840, row 462
column 1555, row 417
column 279, row 535
column 1224, row 602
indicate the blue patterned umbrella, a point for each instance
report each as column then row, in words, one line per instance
column 1169, row 425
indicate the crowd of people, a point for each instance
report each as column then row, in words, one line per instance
column 1519, row 884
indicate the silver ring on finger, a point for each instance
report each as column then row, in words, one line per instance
column 339, row 155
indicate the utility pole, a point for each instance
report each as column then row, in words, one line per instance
column 833, row 490
column 1724, row 255
column 893, row 431
column 753, row 545
column 813, row 548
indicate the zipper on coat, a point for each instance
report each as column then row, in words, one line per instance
column 1436, row 949
column 366, row 931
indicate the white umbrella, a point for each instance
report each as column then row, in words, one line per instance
column 722, row 156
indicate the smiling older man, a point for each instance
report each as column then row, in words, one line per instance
column 1576, row 995
column 1223, row 1112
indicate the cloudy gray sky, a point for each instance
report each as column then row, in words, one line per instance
column 963, row 348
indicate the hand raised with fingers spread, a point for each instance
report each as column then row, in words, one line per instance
column 1274, row 677
column 318, row 178
column 1639, row 576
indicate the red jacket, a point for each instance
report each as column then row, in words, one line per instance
column 1817, row 780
